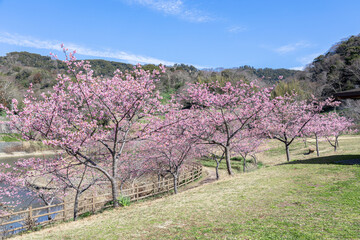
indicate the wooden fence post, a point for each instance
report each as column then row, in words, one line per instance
column 49, row 211
column 137, row 193
column 64, row 208
column 93, row 203
column 30, row 214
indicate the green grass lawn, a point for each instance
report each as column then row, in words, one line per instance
column 308, row 198
column 236, row 164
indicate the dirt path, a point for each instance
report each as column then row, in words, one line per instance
column 210, row 176
column 26, row 154
column 340, row 138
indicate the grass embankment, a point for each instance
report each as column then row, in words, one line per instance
column 314, row 198
column 22, row 146
column 10, row 137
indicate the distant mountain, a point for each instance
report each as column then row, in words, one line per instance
column 270, row 74
column 19, row 69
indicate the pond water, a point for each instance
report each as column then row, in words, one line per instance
column 26, row 201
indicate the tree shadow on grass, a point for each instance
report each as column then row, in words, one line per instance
column 336, row 159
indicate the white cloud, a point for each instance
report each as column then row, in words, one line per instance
column 297, row 68
column 168, row 7
column 308, row 58
column 236, row 29
column 25, row 41
column 18, row 40
column 292, row 47
column 174, row 7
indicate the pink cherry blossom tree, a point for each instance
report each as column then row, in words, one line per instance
column 47, row 179
column 83, row 112
column 217, row 160
column 75, row 178
column 21, row 185
column 288, row 118
column 335, row 125
column 171, row 144
column 249, row 144
column 225, row 111
column 317, row 128
column 329, row 126
column 134, row 165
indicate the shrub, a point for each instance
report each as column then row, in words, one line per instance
column 85, row 214
column 16, row 68
column 124, row 201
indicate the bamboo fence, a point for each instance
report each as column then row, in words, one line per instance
column 30, row 218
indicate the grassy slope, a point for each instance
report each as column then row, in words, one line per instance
column 311, row 199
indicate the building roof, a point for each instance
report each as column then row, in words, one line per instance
column 353, row 94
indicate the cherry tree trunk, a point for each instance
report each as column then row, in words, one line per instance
column 175, row 181
column 114, row 183
column 317, row 145
column 287, row 152
column 337, row 141
column 48, row 211
column 115, row 193
column 159, row 182
column 255, row 159
column 217, row 166
column 333, row 145
column 217, row 169
column 76, row 205
column 227, row 158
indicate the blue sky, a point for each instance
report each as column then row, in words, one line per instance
column 204, row 33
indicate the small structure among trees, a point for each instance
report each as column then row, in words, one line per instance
column 349, row 94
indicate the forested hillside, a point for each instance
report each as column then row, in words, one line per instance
column 19, row 69
column 338, row 69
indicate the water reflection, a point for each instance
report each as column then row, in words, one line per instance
column 26, row 199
